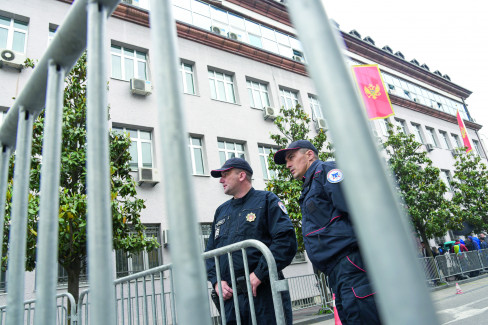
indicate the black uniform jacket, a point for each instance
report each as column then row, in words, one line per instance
column 258, row 215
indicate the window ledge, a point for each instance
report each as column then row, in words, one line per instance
column 201, row 175
column 223, row 101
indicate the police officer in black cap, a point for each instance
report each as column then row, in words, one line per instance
column 250, row 214
column 328, row 234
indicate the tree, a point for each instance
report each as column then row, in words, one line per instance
column 470, row 185
column 419, row 186
column 293, row 124
column 126, row 207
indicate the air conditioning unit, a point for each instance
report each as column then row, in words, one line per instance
column 429, row 146
column 297, row 58
column 165, row 237
column 12, row 59
column 217, row 30
column 148, row 176
column 269, row 113
column 233, row 36
column 140, row 86
column 321, row 124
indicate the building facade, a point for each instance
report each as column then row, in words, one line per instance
column 240, row 61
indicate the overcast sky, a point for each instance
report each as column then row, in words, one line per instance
column 447, row 35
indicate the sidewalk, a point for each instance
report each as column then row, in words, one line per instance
column 309, row 316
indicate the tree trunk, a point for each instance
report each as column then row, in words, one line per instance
column 74, row 269
column 426, row 242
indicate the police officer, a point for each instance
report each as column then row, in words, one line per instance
column 250, row 214
column 328, row 234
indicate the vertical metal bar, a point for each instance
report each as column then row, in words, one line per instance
column 47, row 249
column 234, row 286
column 129, row 304
column 375, row 211
column 249, row 289
column 99, row 217
column 136, row 289
column 153, row 299
column 18, row 226
column 189, row 277
column 163, row 298
column 219, row 285
column 4, row 164
column 144, row 301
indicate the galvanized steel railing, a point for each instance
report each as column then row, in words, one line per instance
column 375, row 210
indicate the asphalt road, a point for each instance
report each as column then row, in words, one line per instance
column 470, row 307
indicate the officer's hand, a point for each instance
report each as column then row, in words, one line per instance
column 255, row 282
column 226, row 289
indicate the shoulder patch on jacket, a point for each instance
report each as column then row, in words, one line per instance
column 335, row 176
column 282, row 207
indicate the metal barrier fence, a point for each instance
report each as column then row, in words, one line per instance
column 65, row 310
column 376, row 212
column 447, row 266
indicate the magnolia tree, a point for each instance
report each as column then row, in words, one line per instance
column 470, row 185
column 128, row 231
column 422, row 191
column 293, row 124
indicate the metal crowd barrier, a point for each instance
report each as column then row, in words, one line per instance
column 375, row 211
column 454, row 266
column 65, row 310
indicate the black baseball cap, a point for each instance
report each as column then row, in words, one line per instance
column 232, row 163
column 280, row 155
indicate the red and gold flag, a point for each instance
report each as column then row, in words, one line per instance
column 464, row 133
column 373, row 92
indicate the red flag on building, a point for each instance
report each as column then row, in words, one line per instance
column 464, row 133
column 373, row 92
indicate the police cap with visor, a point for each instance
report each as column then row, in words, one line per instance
column 232, row 163
column 280, row 155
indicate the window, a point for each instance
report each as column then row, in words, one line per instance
column 13, row 34
column 63, row 274
column 477, row 147
column 288, row 98
column 456, row 140
column 401, row 124
column 195, row 146
column 130, row 263
column 52, row 31
column 3, row 281
column 446, row 178
column 258, row 94
column 140, row 149
column 221, row 86
column 229, row 150
column 384, row 126
column 263, row 158
column 187, row 78
column 418, row 133
column 128, row 63
column 444, row 140
column 431, row 136
column 315, row 107
column 206, row 229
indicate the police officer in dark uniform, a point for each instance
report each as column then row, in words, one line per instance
column 328, row 234
column 250, row 214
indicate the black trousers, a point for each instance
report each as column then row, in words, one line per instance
column 263, row 305
column 354, row 296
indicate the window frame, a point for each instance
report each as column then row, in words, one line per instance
column 192, row 147
column 146, row 263
column 447, row 179
column 123, row 57
column 291, row 94
column 432, row 136
column 139, row 141
column 227, row 86
column 184, row 73
column 239, row 154
column 444, row 140
column 254, row 86
column 402, row 124
column 418, row 133
column 263, row 152
column 315, row 107
column 456, row 140
column 12, row 29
